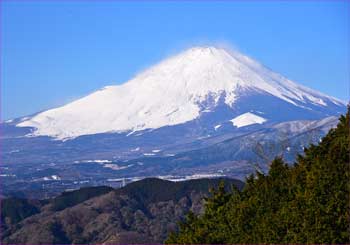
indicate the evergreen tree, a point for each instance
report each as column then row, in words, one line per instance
column 304, row 203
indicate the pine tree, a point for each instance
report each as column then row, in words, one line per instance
column 304, row 203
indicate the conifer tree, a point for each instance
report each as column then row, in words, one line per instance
column 304, row 203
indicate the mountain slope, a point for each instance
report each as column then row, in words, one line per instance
column 239, row 155
column 203, row 112
column 141, row 212
column 38, row 167
column 181, row 89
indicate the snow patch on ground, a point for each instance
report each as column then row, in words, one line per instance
column 13, row 151
column 94, row 161
column 217, row 126
column 173, row 178
column 149, row 154
column 169, row 155
column 247, row 119
column 116, row 166
column 7, row 175
column 52, row 177
column 206, row 110
column 189, row 177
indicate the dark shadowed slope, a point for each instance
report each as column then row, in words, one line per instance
column 142, row 212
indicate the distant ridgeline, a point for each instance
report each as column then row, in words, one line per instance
column 304, row 203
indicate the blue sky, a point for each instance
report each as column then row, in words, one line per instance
column 54, row 52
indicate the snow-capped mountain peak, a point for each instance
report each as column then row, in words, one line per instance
column 172, row 92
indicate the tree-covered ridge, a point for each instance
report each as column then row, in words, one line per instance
column 144, row 211
column 304, row 203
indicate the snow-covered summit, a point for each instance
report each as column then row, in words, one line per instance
column 172, row 92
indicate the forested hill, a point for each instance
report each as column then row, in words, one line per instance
column 304, row 203
column 142, row 212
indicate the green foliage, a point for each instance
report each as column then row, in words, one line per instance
column 152, row 189
column 304, row 203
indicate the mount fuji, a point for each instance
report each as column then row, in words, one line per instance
column 205, row 110
column 181, row 89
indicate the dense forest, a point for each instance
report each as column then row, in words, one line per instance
column 304, row 203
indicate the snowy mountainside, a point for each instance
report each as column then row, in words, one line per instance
column 205, row 111
column 240, row 155
column 181, row 89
